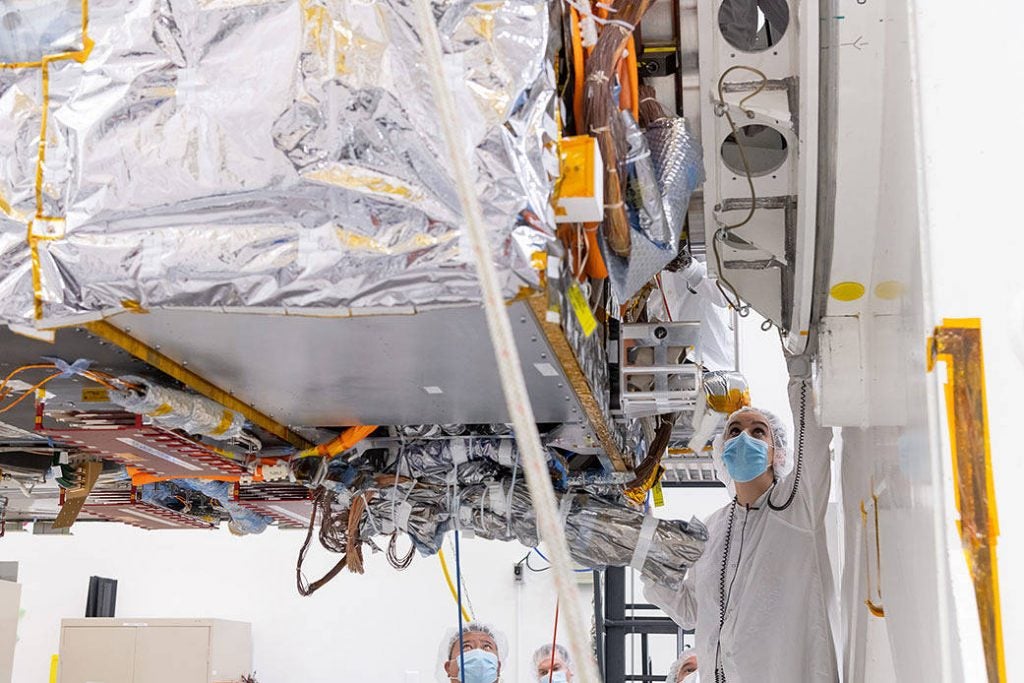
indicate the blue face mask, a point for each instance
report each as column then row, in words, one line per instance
column 745, row 457
column 481, row 667
column 557, row 677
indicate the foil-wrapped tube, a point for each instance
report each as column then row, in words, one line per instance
column 603, row 534
column 644, row 203
column 174, row 409
column 654, row 241
column 600, row 533
column 495, row 510
column 467, row 460
column 679, row 162
column 282, row 155
column 418, row 510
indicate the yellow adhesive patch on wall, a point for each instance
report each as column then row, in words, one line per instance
column 847, row 291
column 889, row 290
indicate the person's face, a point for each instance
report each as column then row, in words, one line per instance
column 755, row 425
column 545, row 668
column 472, row 640
column 688, row 667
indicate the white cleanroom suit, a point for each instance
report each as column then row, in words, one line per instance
column 775, row 623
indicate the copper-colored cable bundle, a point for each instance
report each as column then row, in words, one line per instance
column 651, row 109
column 355, row 545
column 645, row 473
column 602, row 113
column 321, row 506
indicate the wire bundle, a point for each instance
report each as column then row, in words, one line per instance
column 601, row 112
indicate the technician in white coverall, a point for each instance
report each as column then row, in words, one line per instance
column 760, row 598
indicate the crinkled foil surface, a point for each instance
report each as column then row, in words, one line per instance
column 288, row 155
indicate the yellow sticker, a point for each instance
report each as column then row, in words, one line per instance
column 582, row 309
column 95, row 395
column 658, row 495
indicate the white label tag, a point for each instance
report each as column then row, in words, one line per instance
column 402, row 514
column 497, row 496
column 546, row 369
column 459, row 453
column 275, row 472
column 505, row 452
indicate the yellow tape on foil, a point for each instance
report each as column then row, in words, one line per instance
column 582, row 310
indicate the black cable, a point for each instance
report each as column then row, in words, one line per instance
column 719, row 674
column 723, row 595
column 801, row 433
column 531, row 568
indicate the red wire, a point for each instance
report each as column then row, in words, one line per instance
column 664, row 300
column 554, row 641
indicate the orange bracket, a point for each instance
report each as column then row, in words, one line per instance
column 958, row 344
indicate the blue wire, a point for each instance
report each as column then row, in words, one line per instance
column 578, row 571
column 458, row 582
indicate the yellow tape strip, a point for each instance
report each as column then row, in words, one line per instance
column 226, row 419
column 958, row 342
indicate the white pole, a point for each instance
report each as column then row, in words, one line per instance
column 512, row 382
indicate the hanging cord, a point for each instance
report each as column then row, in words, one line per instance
column 554, row 643
column 451, row 584
column 458, row 583
column 305, row 587
column 723, row 231
column 584, row 570
column 510, row 369
column 800, row 434
column 723, row 594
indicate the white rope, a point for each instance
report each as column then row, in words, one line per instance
column 512, row 381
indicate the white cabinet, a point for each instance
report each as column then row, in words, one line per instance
column 154, row 651
column 10, row 600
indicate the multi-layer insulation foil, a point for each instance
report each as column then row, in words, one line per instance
column 600, row 533
column 258, row 153
column 174, row 409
